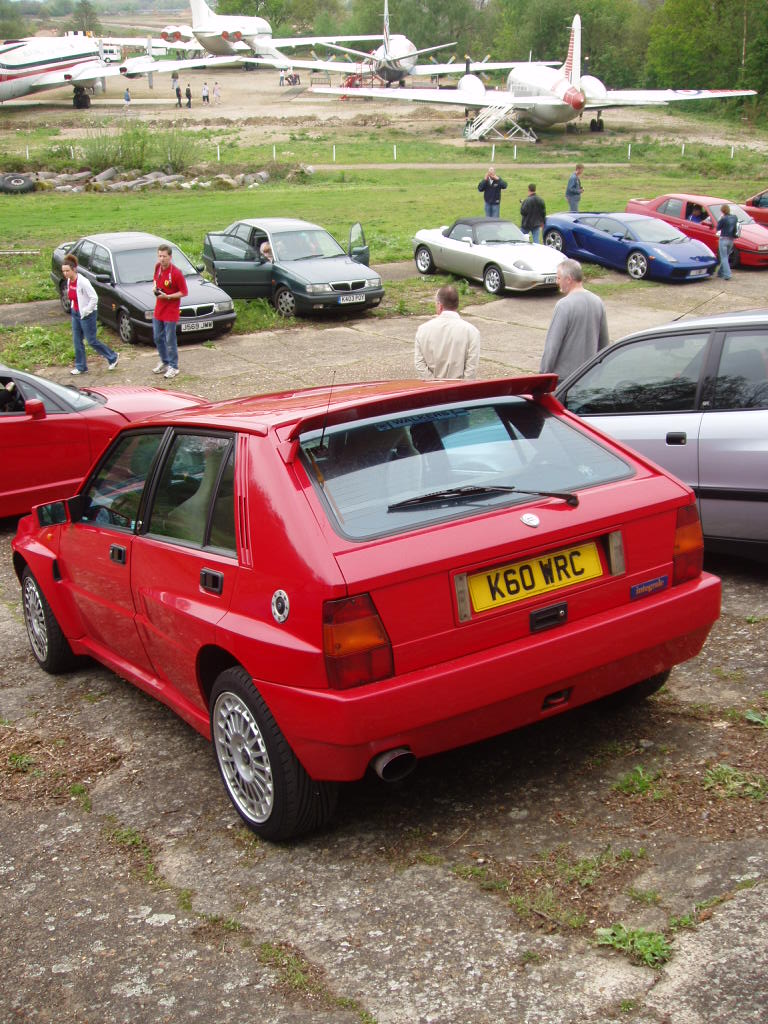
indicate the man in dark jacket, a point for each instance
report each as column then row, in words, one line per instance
column 727, row 229
column 533, row 213
column 491, row 186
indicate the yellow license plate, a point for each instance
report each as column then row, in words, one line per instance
column 521, row 580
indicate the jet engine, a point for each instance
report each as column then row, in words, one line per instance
column 472, row 85
column 176, row 33
column 592, row 87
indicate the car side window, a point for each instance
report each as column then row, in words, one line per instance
column 460, row 232
column 100, row 262
column 742, row 377
column 651, row 375
column 228, row 247
column 243, row 231
column 672, row 208
column 114, row 496
column 610, row 227
column 84, row 254
column 194, row 499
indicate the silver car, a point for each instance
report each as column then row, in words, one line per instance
column 490, row 250
column 692, row 396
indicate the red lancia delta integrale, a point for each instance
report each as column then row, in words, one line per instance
column 326, row 580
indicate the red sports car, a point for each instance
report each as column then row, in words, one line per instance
column 751, row 248
column 360, row 576
column 50, row 435
column 757, row 207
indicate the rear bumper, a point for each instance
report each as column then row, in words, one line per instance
column 336, row 734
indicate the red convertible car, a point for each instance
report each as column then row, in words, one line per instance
column 751, row 248
column 50, row 434
column 757, row 207
column 360, row 576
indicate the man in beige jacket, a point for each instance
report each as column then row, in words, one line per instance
column 447, row 347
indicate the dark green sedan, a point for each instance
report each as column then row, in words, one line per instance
column 298, row 266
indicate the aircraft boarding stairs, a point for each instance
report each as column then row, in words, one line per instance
column 490, row 117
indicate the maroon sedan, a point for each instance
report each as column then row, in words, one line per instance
column 338, row 579
column 50, row 435
column 751, row 247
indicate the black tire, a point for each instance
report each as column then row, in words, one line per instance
column 64, row 297
column 640, row 691
column 49, row 645
column 125, row 328
column 637, row 265
column 262, row 776
column 424, row 262
column 493, row 280
column 16, row 184
column 285, row 302
column 81, row 100
column 554, row 238
column 593, row 125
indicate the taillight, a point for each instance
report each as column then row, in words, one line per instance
column 356, row 645
column 688, row 560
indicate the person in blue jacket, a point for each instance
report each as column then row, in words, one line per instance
column 491, row 187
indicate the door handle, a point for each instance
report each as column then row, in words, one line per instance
column 117, row 553
column 212, row 581
column 677, row 437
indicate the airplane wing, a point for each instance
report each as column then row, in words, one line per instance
column 286, row 44
column 345, row 67
column 473, row 96
column 136, row 66
column 659, row 97
column 475, row 66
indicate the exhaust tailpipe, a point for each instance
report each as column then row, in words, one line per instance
column 393, row 765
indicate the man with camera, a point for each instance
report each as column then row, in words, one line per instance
column 170, row 288
column 491, row 187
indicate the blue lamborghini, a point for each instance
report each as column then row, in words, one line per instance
column 643, row 246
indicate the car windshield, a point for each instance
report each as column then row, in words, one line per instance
column 309, row 243
column 68, row 397
column 394, row 475
column 504, row 231
column 716, row 211
column 136, row 266
column 656, row 231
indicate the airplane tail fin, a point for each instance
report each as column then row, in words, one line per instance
column 201, row 12
column 572, row 66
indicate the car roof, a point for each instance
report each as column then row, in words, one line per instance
column 320, row 407
column 690, row 197
column 483, row 220
column 120, row 240
column 278, row 223
column 743, row 318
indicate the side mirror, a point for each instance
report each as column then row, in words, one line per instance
column 199, row 267
column 52, row 514
column 76, row 507
column 34, row 407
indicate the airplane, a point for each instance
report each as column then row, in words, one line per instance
column 392, row 62
column 39, row 63
column 235, row 34
column 539, row 95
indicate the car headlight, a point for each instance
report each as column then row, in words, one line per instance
column 522, row 265
column 665, row 255
column 225, row 306
column 375, row 282
column 762, row 248
column 318, row 289
column 149, row 314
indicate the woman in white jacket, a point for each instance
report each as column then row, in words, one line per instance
column 83, row 303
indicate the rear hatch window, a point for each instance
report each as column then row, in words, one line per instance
column 389, row 476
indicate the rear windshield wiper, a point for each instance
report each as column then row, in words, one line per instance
column 451, row 494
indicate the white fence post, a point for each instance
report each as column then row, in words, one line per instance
column 394, row 152
column 629, row 151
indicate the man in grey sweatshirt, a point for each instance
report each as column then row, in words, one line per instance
column 579, row 328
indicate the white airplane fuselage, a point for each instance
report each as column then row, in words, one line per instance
column 25, row 62
column 395, row 62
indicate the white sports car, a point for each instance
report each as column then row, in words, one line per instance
column 486, row 249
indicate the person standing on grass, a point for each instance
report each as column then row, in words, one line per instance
column 533, row 213
column 170, row 289
column 574, row 189
column 491, row 187
column 83, row 305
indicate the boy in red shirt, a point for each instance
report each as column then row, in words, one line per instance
column 170, row 289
